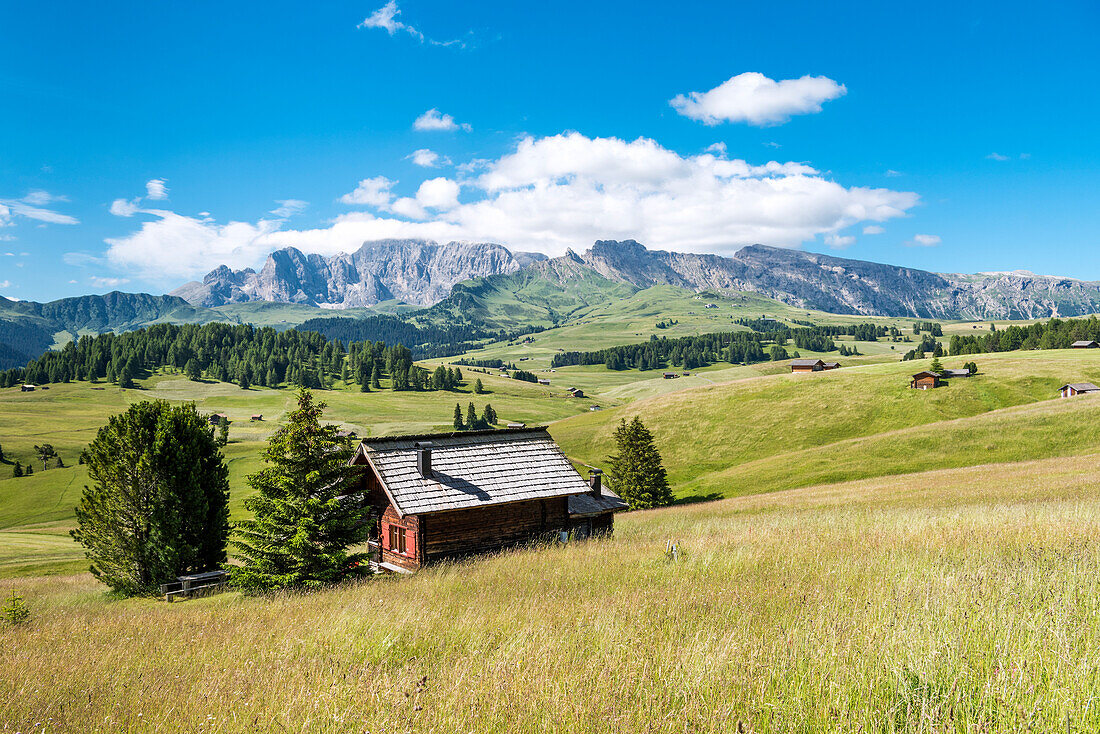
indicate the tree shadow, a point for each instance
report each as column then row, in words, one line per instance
column 693, row 499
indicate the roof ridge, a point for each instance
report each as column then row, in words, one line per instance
column 456, row 434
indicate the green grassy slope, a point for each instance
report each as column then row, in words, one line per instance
column 781, row 431
column 954, row 601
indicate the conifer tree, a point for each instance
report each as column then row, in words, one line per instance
column 936, row 365
column 457, row 422
column 636, row 471
column 307, row 510
column 471, row 417
column 158, row 506
column 29, row 470
column 478, row 387
column 17, row 470
column 489, row 416
column 223, row 431
column 375, row 379
column 192, row 370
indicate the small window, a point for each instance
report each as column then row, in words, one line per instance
column 397, row 539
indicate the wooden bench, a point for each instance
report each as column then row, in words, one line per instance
column 195, row 584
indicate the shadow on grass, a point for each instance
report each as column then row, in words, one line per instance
column 693, row 499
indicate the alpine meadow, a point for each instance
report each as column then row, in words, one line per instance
column 426, row 367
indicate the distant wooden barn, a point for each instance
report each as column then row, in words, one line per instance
column 26, row 388
column 1078, row 388
column 449, row 495
column 831, row 366
column 576, row 392
column 807, row 365
column 925, row 380
column 1085, row 345
column 257, row 417
column 670, row 375
column 955, row 373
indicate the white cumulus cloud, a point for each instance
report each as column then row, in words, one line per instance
column 107, row 282
column 547, row 194
column 757, row 100
column 426, row 158
column 371, row 192
column 873, row 229
column 433, row 119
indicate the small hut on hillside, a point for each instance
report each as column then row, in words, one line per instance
column 448, row 495
column 1085, row 345
column 1077, row 388
column 925, row 380
column 807, row 365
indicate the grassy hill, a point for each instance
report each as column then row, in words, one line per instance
column 780, row 431
column 956, row 600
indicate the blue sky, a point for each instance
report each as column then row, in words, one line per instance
column 142, row 144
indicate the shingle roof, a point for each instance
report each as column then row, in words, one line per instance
column 1083, row 343
column 1081, row 387
column 956, row 373
column 472, row 469
column 805, row 362
column 583, row 505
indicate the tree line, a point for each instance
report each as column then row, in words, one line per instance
column 1053, row 334
column 242, row 354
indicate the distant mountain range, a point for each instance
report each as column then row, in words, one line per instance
column 411, row 271
column 485, row 286
column 425, row 273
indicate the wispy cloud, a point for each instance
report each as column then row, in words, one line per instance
column 156, row 189
column 839, row 242
column 995, row 156
column 757, row 100
column 30, row 207
column 433, row 119
column 924, row 240
column 385, row 18
column 5, row 284
column 107, row 282
column 891, row 173
column 873, row 229
column 289, row 207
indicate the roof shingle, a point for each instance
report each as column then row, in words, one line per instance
column 473, row 469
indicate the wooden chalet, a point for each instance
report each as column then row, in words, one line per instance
column 955, row 373
column 830, row 366
column 925, row 380
column 26, row 388
column 1078, row 388
column 807, row 365
column 257, row 417
column 576, row 392
column 1085, row 345
column 449, row 495
column 670, row 375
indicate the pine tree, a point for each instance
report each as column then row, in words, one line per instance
column 936, row 365
column 457, row 422
column 471, row 417
column 15, row 610
column 29, row 470
column 192, row 370
column 17, row 470
column 636, row 471
column 45, row 452
column 489, row 416
column 478, row 387
column 126, row 379
column 223, row 431
column 1, row 453
column 307, row 510
column 158, row 506
column 375, row 378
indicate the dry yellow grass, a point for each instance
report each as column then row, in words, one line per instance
column 958, row 600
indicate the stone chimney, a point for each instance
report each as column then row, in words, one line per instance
column 424, row 459
column 595, row 480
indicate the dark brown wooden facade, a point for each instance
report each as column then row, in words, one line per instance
column 925, row 381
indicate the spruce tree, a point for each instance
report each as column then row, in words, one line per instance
column 375, row 379
column 457, row 422
column 307, row 510
column 471, row 417
column 158, row 506
column 17, row 470
column 29, row 470
column 636, row 471
column 489, row 416
column 936, row 365
column 478, row 387
column 223, row 431
column 192, row 370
